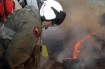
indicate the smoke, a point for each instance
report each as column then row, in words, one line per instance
column 54, row 39
column 83, row 18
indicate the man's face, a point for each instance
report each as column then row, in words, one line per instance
column 46, row 24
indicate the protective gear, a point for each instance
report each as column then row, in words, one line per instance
column 23, row 52
column 52, row 10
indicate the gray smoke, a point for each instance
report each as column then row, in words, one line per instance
column 83, row 18
column 54, row 39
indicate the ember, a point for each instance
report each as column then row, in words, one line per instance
column 78, row 44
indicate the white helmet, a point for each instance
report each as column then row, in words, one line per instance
column 52, row 10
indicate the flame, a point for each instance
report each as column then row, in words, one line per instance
column 77, row 49
column 78, row 45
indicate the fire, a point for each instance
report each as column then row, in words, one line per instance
column 77, row 49
column 78, row 45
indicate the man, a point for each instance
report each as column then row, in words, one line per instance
column 20, row 34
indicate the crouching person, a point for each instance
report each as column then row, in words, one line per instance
column 21, row 34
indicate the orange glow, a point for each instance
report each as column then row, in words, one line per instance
column 78, row 45
column 77, row 49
